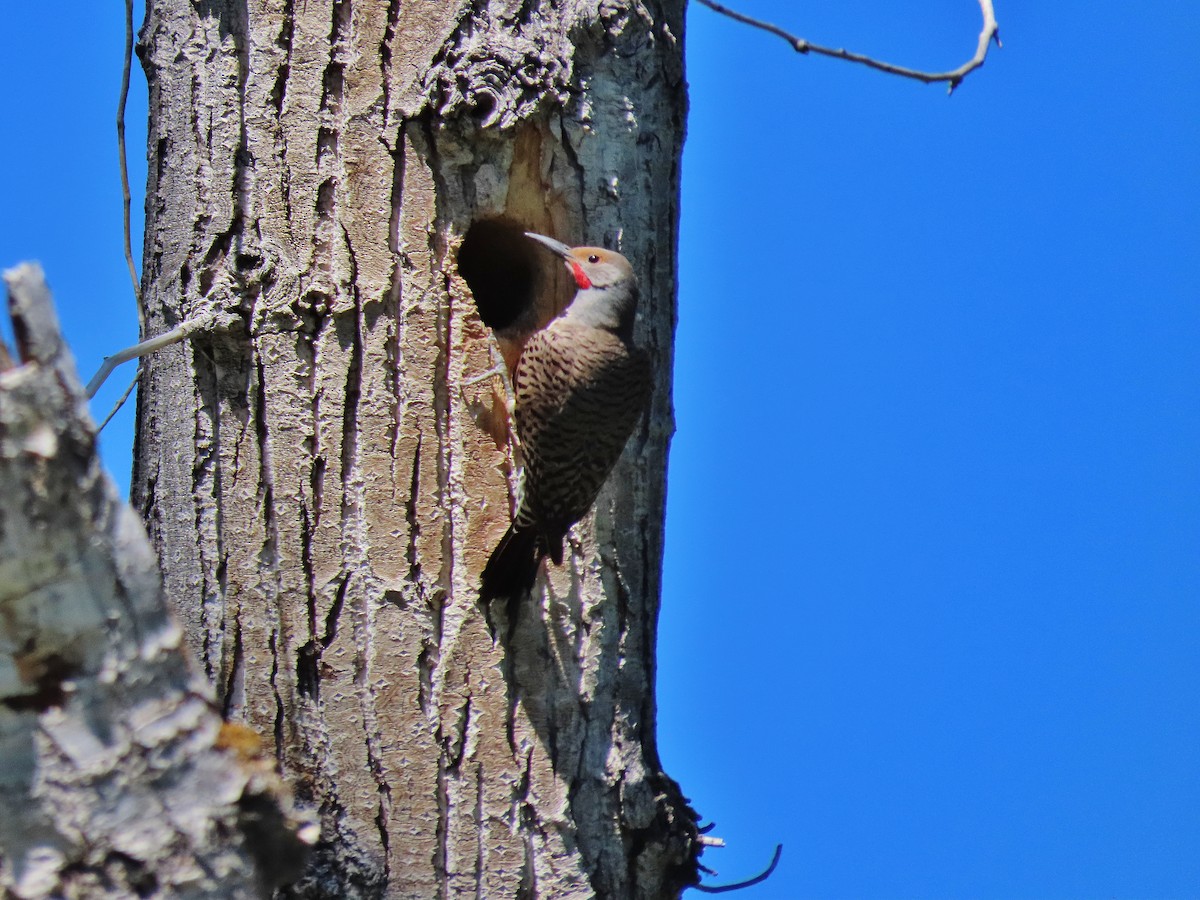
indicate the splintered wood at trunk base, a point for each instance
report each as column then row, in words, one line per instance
column 319, row 483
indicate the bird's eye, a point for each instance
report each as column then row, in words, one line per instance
column 593, row 258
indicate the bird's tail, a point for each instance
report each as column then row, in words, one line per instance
column 512, row 568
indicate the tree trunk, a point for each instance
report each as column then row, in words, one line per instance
column 118, row 777
column 324, row 482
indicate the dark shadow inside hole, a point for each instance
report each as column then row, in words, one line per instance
column 503, row 271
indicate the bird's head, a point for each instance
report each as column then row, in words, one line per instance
column 606, row 286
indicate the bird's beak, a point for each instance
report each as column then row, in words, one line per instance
column 556, row 246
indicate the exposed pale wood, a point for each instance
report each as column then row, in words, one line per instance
column 117, row 780
column 321, row 498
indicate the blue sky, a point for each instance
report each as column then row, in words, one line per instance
column 932, row 586
column 932, row 605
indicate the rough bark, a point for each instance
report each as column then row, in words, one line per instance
column 118, row 777
column 319, row 482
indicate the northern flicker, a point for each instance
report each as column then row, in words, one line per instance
column 581, row 386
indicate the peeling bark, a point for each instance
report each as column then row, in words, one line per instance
column 322, row 496
column 118, row 777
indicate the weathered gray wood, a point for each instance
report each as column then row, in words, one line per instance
column 117, row 779
column 322, row 499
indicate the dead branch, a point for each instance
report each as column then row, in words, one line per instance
column 117, row 772
column 125, row 195
column 125, row 396
column 749, row 882
column 208, row 322
column 990, row 32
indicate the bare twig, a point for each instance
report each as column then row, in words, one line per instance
column 121, row 402
column 174, row 336
column 737, row 886
column 125, row 195
column 990, row 32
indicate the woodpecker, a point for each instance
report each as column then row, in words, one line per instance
column 580, row 387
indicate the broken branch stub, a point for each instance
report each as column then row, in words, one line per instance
column 118, row 775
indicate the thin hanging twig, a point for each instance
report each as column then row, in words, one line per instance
column 125, row 194
column 737, row 886
column 990, row 32
column 121, row 402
